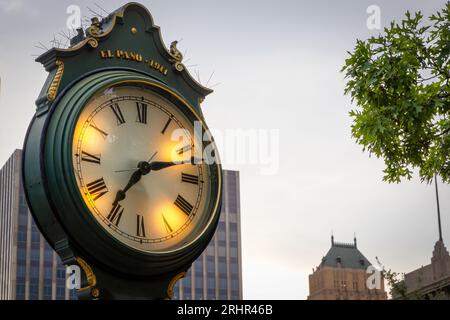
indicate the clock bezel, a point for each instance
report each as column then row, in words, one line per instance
column 116, row 231
column 58, row 164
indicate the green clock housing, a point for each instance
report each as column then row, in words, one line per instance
column 105, row 181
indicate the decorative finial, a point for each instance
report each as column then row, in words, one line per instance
column 354, row 239
column 332, row 238
column 177, row 56
column 96, row 27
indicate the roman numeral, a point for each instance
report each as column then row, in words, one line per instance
column 140, row 229
column 167, row 225
column 142, row 112
column 183, row 205
column 97, row 189
column 184, row 150
column 115, row 214
column 166, row 125
column 118, row 113
column 103, row 133
column 88, row 157
column 189, row 178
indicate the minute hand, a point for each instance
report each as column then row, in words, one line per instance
column 158, row 165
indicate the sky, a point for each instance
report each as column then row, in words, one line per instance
column 275, row 67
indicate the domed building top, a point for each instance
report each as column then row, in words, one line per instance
column 344, row 255
column 342, row 275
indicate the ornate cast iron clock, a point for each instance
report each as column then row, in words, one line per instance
column 120, row 171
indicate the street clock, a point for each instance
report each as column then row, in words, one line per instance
column 120, row 171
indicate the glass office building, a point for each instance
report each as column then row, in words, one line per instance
column 31, row 270
column 217, row 273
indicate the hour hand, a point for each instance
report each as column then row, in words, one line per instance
column 121, row 194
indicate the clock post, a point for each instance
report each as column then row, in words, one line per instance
column 108, row 187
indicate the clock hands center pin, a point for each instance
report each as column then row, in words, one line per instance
column 141, row 170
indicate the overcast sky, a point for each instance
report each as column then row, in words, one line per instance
column 278, row 65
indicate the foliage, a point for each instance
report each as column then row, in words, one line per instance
column 400, row 83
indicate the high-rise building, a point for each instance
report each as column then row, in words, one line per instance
column 217, row 273
column 342, row 275
column 29, row 268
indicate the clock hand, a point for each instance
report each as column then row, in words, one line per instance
column 144, row 168
column 127, row 170
column 159, row 165
column 156, row 152
column 121, row 194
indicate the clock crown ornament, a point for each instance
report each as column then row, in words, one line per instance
column 115, row 167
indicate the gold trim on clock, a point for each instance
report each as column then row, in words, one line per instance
column 91, row 278
column 54, row 86
column 173, row 282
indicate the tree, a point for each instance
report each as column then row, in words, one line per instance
column 400, row 83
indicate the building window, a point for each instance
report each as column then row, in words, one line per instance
column 234, row 269
column 221, row 226
column 223, row 294
column 234, row 284
column 211, row 294
column 199, row 294
column 34, row 292
column 35, row 237
column 20, row 292
column 60, row 293
column 222, row 266
column 210, row 282
column 47, row 292
column 222, row 243
column 233, row 227
column 223, row 283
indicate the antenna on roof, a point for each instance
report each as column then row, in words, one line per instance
column 438, row 209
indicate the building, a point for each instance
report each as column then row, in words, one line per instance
column 29, row 268
column 342, row 275
column 434, row 278
column 217, row 273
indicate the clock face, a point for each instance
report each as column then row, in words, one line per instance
column 138, row 169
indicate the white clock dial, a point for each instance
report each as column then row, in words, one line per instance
column 129, row 171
